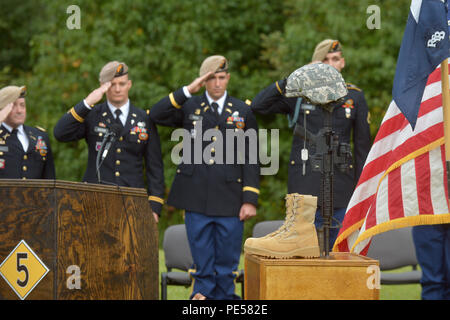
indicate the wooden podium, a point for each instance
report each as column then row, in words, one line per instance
column 98, row 241
column 341, row 276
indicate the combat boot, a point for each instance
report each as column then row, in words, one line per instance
column 297, row 237
column 290, row 198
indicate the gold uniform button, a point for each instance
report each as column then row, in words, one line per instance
column 121, row 139
column 214, row 138
column 211, row 161
column 178, row 171
column 117, row 174
column 213, row 150
column 1, row 153
column 25, row 157
column 24, row 178
column 239, row 180
column 292, row 162
column 118, row 150
column 24, row 168
column 118, row 162
column 217, row 127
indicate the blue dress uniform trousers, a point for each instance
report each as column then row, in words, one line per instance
column 433, row 253
column 338, row 216
column 215, row 243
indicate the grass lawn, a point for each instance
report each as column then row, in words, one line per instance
column 387, row 292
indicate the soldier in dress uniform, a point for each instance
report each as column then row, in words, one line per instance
column 350, row 120
column 138, row 139
column 25, row 151
column 217, row 195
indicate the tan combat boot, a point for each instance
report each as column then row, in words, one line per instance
column 297, row 237
column 290, row 198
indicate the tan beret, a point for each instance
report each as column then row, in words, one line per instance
column 112, row 70
column 10, row 94
column 214, row 64
column 325, row 47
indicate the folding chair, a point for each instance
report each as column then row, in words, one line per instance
column 265, row 227
column 395, row 249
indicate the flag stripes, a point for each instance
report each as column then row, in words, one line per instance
column 403, row 182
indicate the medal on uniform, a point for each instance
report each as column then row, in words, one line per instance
column 2, row 163
column 41, row 146
column 240, row 124
column 143, row 136
column 348, row 106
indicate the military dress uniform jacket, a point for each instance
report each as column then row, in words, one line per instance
column 35, row 163
column 204, row 185
column 351, row 115
column 123, row 164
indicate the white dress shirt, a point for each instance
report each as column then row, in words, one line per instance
column 220, row 102
column 21, row 135
column 125, row 110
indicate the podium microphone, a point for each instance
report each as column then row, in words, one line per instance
column 108, row 140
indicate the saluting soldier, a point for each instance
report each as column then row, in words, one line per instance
column 217, row 195
column 25, row 151
column 350, row 121
column 137, row 140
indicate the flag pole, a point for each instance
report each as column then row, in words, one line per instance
column 446, row 111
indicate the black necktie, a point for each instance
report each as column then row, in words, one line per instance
column 118, row 113
column 14, row 141
column 215, row 108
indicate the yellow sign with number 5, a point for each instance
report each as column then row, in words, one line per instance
column 23, row 270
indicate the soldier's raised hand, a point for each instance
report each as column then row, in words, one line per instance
column 5, row 111
column 198, row 83
column 97, row 95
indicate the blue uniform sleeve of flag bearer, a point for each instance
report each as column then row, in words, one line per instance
column 424, row 46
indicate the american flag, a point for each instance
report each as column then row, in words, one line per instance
column 404, row 181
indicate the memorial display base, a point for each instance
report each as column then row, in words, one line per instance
column 340, row 276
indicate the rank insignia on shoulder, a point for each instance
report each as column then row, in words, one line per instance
column 351, row 86
column 248, row 102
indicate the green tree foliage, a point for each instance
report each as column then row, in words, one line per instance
column 164, row 42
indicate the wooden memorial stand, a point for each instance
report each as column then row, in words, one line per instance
column 98, row 241
column 341, row 276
